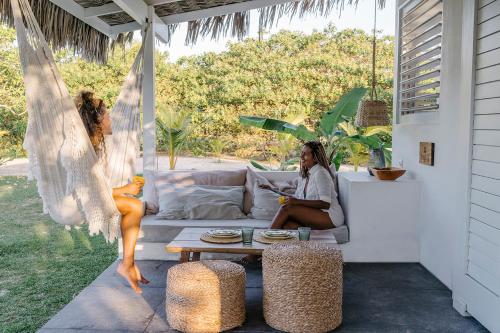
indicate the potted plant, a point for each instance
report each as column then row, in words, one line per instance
column 333, row 129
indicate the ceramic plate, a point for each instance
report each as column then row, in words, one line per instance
column 224, row 233
column 277, row 234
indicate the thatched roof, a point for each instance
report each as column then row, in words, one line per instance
column 62, row 29
column 238, row 24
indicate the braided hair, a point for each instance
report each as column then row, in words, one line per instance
column 91, row 110
column 319, row 154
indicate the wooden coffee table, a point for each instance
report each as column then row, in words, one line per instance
column 188, row 242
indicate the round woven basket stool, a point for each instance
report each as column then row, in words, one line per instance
column 302, row 287
column 205, row 296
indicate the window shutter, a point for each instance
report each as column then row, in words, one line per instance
column 420, row 37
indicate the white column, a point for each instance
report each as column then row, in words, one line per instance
column 148, row 107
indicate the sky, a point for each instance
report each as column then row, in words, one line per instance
column 351, row 17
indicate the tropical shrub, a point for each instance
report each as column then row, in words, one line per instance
column 173, row 126
column 334, row 130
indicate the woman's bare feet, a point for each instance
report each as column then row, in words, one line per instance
column 140, row 278
column 129, row 273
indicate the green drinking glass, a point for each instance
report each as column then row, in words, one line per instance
column 247, row 235
column 304, row 233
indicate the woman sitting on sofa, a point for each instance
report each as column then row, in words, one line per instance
column 315, row 202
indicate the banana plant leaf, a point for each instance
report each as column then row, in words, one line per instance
column 388, row 154
column 377, row 130
column 372, row 141
column 299, row 131
column 337, row 160
column 292, row 161
column 258, row 165
column 345, row 108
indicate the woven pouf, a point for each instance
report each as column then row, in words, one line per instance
column 302, row 287
column 206, row 296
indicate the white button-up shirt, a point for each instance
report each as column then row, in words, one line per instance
column 321, row 187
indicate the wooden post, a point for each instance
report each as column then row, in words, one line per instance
column 184, row 256
column 148, row 107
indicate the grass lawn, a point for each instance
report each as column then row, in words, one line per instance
column 42, row 265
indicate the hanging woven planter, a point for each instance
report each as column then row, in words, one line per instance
column 372, row 112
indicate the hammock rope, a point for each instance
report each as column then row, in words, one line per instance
column 72, row 181
column 125, row 120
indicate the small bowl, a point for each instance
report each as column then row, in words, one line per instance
column 388, row 173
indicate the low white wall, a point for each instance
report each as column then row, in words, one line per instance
column 444, row 185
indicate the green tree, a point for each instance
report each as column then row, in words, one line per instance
column 13, row 117
column 287, row 73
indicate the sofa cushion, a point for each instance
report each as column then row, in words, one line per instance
column 265, row 203
column 253, row 178
column 200, row 202
column 186, row 178
column 333, row 170
column 164, row 231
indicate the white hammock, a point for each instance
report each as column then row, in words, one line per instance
column 70, row 178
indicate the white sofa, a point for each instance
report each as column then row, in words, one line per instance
column 156, row 232
column 374, row 230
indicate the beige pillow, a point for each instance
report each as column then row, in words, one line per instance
column 254, row 178
column 333, row 169
column 251, row 179
column 200, row 202
column 265, row 204
column 180, row 179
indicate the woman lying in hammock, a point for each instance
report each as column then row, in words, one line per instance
column 97, row 122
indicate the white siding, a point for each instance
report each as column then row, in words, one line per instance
column 487, row 12
column 484, row 227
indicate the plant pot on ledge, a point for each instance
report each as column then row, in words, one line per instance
column 377, row 159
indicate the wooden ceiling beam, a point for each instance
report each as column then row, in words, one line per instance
column 138, row 10
column 109, row 8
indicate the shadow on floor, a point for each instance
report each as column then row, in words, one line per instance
column 377, row 298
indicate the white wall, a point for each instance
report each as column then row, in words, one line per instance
column 444, row 185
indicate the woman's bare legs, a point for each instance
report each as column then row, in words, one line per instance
column 290, row 225
column 292, row 217
column 131, row 210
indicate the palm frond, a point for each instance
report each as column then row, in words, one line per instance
column 238, row 24
column 63, row 30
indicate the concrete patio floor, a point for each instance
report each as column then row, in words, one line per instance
column 377, row 298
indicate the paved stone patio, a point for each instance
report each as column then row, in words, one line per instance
column 377, row 298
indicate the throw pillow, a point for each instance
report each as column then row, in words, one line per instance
column 265, row 204
column 251, row 179
column 201, row 202
column 333, row 169
column 254, row 178
column 181, row 179
column 171, row 201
